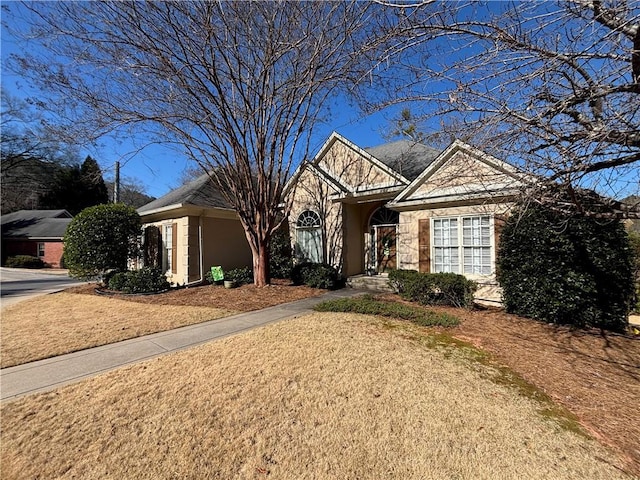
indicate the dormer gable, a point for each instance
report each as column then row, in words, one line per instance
column 461, row 172
column 354, row 168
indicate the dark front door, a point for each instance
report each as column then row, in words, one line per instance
column 386, row 248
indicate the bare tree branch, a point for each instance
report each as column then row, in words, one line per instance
column 238, row 85
column 553, row 87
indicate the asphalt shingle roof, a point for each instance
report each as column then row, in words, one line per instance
column 201, row 192
column 35, row 224
column 406, row 157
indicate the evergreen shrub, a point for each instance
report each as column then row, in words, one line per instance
column 316, row 275
column 100, row 239
column 280, row 255
column 145, row 280
column 241, row 276
column 566, row 269
column 24, row 261
column 433, row 288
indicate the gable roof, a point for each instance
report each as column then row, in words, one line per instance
column 519, row 179
column 201, row 192
column 36, row 224
column 406, row 157
column 335, row 137
column 33, row 215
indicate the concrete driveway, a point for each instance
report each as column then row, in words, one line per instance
column 17, row 284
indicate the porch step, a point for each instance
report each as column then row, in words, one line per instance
column 379, row 283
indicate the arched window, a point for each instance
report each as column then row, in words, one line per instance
column 309, row 237
column 384, row 216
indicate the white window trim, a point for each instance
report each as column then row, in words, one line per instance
column 460, row 246
column 167, row 244
column 43, row 249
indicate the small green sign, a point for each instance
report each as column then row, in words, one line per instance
column 217, row 274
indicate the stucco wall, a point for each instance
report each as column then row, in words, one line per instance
column 225, row 244
column 353, row 240
column 223, row 240
column 181, row 274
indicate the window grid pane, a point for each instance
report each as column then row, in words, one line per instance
column 445, row 240
column 476, row 243
column 476, row 239
column 168, row 246
column 310, row 244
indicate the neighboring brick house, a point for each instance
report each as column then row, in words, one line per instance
column 403, row 205
column 38, row 233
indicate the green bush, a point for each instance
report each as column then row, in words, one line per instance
column 433, row 288
column 241, row 276
column 634, row 239
column 316, row 275
column 573, row 270
column 24, row 261
column 100, row 239
column 145, row 280
column 280, row 255
column 209, row 277
column 368, row 305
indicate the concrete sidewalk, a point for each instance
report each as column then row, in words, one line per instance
column 51, row 373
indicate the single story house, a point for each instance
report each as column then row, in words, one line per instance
column 191, row 229
column 402, row 205
column 38, row 233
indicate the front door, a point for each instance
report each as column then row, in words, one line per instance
column 385, row 248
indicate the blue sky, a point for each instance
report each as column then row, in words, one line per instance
column 160, row 168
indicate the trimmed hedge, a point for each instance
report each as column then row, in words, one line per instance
column 316, row 275
column 100, row 239
column 241, row 276
column 433, row 288
column 24, row 261
column 572, row 270
column 145, row 280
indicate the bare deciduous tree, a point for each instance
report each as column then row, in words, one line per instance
column 239, row 85
column 553, row 86
column 30, row 154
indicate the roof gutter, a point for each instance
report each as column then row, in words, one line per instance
column 161, row 209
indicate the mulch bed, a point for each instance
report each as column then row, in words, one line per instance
column 242, row 299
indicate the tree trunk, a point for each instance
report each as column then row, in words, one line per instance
column 261, row 275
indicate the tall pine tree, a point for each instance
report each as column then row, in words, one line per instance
column 76, row 187
column 95, row 189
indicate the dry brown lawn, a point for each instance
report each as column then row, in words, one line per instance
column 322, row 396
column 78, row 318
column 64, row 322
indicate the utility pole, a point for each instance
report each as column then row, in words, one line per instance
column 116, row 184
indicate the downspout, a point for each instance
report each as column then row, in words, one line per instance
column 201, row 255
